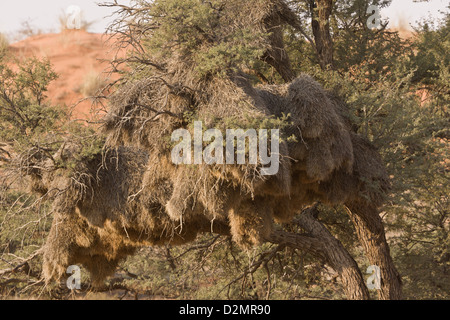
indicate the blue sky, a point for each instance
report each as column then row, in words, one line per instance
column 43, row 14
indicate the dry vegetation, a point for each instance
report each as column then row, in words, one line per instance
column 93, row 84
column 108, row 193
column 3, row 44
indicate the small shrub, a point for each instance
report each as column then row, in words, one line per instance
column 3, row 44
column 92, row 85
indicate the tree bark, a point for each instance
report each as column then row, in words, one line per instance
column 320, row 12
column 323, row 245
column 276, row 55
column 370, row 231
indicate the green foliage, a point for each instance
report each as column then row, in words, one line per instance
column 89, row 146
column 28, row 121
column 214, row 268
column 201, row 31
column 24, row 223
column 31, row 130
column 26, row 118
column 414, row 140
column 376, row 73
column 233, row 52
column 431, row 60
column 354, row 44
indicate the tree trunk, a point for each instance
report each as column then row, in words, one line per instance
column 370, row 231
column 276, row 55
column 323, row 245
column 320, row 12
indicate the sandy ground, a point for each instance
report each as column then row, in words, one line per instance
column 75, row 55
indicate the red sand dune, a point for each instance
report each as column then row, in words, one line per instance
column 74, row 54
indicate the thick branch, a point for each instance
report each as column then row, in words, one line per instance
column 321, row 11
column 370, row 231
column 323, row 245
column 23, row 264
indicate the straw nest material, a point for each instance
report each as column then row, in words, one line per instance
column 134, row 195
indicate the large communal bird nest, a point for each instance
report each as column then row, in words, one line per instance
column 320, row 158
column 134, row 194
